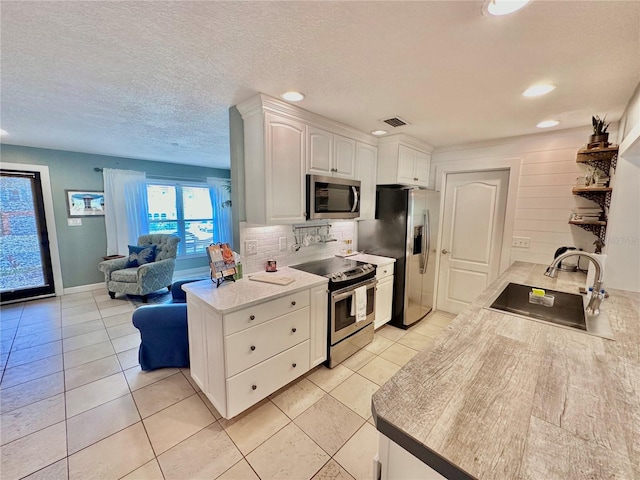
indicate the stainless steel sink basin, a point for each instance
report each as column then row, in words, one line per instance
column 568, row 309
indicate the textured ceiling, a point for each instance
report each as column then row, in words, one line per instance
column 154, row 80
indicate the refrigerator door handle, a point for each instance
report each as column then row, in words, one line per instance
column 426, row 244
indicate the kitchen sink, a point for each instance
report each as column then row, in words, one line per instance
column 558, row 308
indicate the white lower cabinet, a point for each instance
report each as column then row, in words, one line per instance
column 398, row 464
column 252, row 385
column 384, row 295
column 237, row 359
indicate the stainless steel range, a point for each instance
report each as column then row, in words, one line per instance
column 345, row 336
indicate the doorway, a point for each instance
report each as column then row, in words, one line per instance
column 474, row 207
column 26, row 269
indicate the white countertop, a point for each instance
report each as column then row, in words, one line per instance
column 373, row 259
column 231, row 296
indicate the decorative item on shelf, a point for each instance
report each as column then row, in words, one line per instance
column 600, row 137
column 599, row 244
column 586, row 214
column 222, row 263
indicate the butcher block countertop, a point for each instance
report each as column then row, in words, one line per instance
column 498, row 396
column 232, row 296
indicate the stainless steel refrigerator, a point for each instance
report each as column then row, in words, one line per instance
column 405, row 228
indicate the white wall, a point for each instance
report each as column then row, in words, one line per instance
column 623, row 230
column 544, row 199
column 268, row 246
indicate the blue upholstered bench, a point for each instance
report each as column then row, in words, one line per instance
column 163, row 330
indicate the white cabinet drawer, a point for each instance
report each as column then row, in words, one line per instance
column 257, row 314
column 251, row 386
column 256, row 344
column 384, row 271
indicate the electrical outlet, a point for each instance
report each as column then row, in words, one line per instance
column 74, row 222
column 282, row 244
column 521, row 242
column 251, row 247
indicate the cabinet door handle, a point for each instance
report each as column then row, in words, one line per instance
column 253, row 347
column 253, row 387
column 384, row 271
column 293, row 303
column 294, row 365
column 293, row 330
column 252, row 317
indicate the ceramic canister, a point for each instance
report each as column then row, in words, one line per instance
column 271, row 265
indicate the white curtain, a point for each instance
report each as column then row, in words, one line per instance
column 221, row 203
column 126, row 209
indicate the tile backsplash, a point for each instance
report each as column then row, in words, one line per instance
column 268, row 239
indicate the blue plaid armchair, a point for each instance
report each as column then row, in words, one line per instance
column 146, row 278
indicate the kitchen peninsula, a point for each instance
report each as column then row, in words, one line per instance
column 248, row 338
column 498, row 396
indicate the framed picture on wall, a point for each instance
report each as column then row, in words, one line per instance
column 84, row 203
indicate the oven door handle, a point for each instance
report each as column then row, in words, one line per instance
column 342, row 296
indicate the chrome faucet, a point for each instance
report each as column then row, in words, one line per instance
column 597, row 293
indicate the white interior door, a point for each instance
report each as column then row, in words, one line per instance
column 472, row 229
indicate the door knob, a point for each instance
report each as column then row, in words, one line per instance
column 445, row 251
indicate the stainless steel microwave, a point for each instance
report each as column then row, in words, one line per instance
column 330, row 197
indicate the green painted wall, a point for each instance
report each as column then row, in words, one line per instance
column 82, row 248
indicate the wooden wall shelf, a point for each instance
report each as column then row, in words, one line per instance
column 588, row 222
column 605, row 160
column 601, row 158
column 591, row 189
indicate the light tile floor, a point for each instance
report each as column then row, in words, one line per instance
column 74, row 404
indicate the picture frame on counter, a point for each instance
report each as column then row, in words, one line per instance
column 222, row 262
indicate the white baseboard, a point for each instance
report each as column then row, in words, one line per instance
column 83, row 288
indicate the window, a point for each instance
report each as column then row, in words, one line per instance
column 186, row 210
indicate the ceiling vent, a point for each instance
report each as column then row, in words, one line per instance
column 395, row 122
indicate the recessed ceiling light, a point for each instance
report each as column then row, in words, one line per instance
column 378, row 132
column 503, row 7
column 3, row 132
column 292, row 96
column 548, row 123
column 538, row 90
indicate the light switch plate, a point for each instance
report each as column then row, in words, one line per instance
column 74, row 222
column 251, row 247
column 521, row 242
column 282, row 244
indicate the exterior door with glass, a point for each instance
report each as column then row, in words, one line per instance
column 25, row 256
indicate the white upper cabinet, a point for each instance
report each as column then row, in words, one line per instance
column 284, row 175
column 330, row 154
column 274, row 165
column 344, row 156
column 366, row 167
column 403, row 160
column 320, row 151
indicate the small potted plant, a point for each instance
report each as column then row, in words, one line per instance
column 600, row 134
